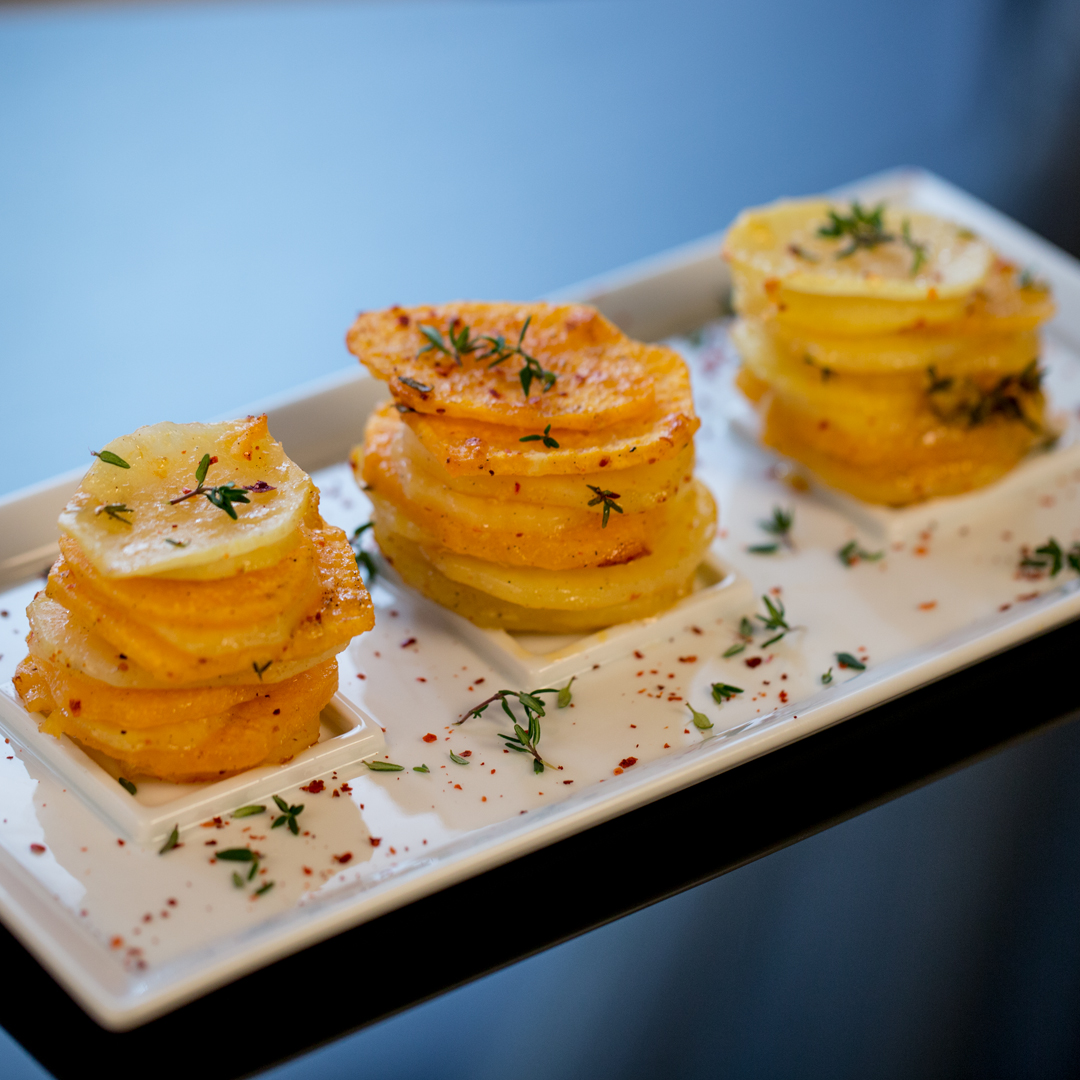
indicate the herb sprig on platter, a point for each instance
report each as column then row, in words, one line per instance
column 852, row 553
column 1049, row 558
column 779, row 525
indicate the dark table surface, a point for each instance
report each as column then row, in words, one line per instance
column 195, row 200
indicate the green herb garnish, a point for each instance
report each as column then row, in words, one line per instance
column 845, row 659
column 608, row 499
column 1028, row 280
column 525, row 740
column 114, row 510
column 263, row 889
column 260, row 671
column 248, row 811
column 774, row 620
column 546, row 438
column 458, row 343
column 420, row 768
column 826, row 678
column 237, row 880
column 223, row 496
column 917, row 250
column 127, row 785
column 701, row 721
column 174, row 839
column 363, row 558
column 734, row 650
column 289, row 815
column 384, row 766
column 721, row 692
column 236, row 854
column 565, row 696
column 863, row 228
column 763, row 549
column 111, row 459
column 1051, row 558
column 457, row 759
column 851, row 553
column 420, row 387
column 176, row 543
column 779, row 525
column 963, row 399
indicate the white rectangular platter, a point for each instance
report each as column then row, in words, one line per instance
column 131, row 933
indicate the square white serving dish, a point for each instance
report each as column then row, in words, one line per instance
column 347, row 738
column 132, row 934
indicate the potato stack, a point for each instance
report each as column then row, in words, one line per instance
column 893, row 353
column 534, row 470
column 189, row 628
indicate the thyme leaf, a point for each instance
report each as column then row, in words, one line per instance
column 420, row 387
column 701, row 721
column 863, row 228
column 384, row 766
column 734, row 650
column 918, row 250
column 546, row 438
column 608, row 499
column 457, row 759
column 763, row 549
column 260, row 671
column 959, row 400
column 248, row 811
column 236, row 854
column 174, row 839
column 420, row 768
column 1049, row 558
column 237, row 880
column 364, row 558
column 263, row 889
column 289, row 815
column 565, row 696
column 114, row 510
column 774, row 619
column 110, row 458
column 845, row 659
column 826, row 678
column 127, row 785
column 851, row 553
column 722, row 692
column 176, row 543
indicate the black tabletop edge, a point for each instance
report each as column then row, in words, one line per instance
column 455, row 936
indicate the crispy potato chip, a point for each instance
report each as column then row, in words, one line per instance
column 824, row 248
column 125, row 520
column 459, row 360
column 466, row 447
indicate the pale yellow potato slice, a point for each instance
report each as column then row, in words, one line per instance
column 153, row 536
column 59, row 638
column 679, row 549
column 783, row 242
column 601, row 376
column 408, row 560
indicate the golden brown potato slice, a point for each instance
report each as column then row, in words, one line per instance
column 600, row 375
column 58, row 637
column 268, row 729
column 678, row 549
column 179, row 654
column 515, row 533
column 467, row 447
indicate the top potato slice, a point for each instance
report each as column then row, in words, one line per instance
column 127, row 522
column 466, row 447
column 463, row 360
column 835, row 249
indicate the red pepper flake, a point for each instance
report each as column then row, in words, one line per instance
column 667, row 746
column 213, row 460
column 375, row 841
column 314, row 787
column 430, row 738
column 307, row 870
column 753, row 661
column 920, row 550
column 74, row 706
column 343, row 858
column 407, row 642
column 361, row 676
column 568, row 781
column 466, row 753
column 120, row 843
column 517, row 487
column 686, row 731
column 393, row 851
column 1028, row 596
column 1004, row 607
column 420, row 678
column 458, row 786
column 37, row 849
column 674, row 697
column 928, row 605
column 335, row 794
column 783, row 697
column 627, row 762
column 116, row 942
column 687, row 660
column 617, row 771
column 639, row 655
column 696, row 630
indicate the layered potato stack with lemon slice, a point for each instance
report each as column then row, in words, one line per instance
column 189, row 629
column 890, row 351
column 534, row 470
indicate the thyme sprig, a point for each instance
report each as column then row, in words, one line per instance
column 608, row 499
column 114, row 510
column 459, row 342
column 288, row 816
column 918, row 250
column 363, row 558
column 223, row 496
column 779, row 525
column 546, row 438
column 851, row 553
column 746, row 633
column 1049, row 558
column 110, row 458
column 774, row 619
column 525, row 740
column 863, row 228
column 953, row 399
